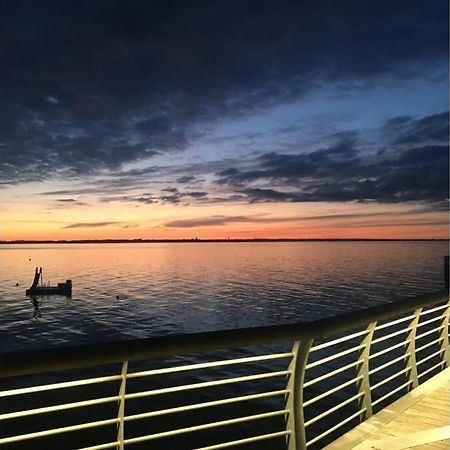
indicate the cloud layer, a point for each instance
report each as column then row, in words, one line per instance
column 90, row 86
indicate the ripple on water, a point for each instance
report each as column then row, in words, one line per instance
column 176, row 288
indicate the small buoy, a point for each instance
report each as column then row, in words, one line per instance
column 17, row 284
column 29, row 259
column 117, row 297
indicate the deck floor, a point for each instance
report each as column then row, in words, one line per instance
column 419, row 420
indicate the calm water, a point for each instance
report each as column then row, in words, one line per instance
column 173, row 288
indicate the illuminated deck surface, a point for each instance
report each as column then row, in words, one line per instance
column 419, row 420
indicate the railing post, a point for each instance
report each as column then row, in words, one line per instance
column 365, row 401
column 295, row 422
column 121, row 414
column 410, row 351
column 443, row 334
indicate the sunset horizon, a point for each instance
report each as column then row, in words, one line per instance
column 217, row 122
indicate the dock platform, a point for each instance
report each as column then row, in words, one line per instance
column 419, row 420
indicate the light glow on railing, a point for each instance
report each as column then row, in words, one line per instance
column 391, row 335
column 389, row 363
column 423, row 347
column 261, row 437
column 332, row 391
column 332, row 357
column 194, row 406
column 389, row 349
column 334, row 409
column 206, row 384
column 208, row 365
column 340, row 424
column 419, row 336
column 64, row 385
column 442, row 363
column 386, row 380
column 338, row 341
column 391, row 393
column 332, row 373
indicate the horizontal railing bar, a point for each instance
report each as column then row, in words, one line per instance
column 391, row 335
column 36, row 434
column 430, row 332
column 63, row 385
column 394, row 322
column 48, row 409
column 261, row 437
column 389, row 349
column 391, row 393
column 389, row 363
column 423, row 347
column 114, row 444
column 212, row 447
column 432, row 310
column 332, row 373
column 332, row 357
column 332, row 410
column 386, row 380
column 187, row 387
column 338, row 341
column 426, row 322
column 205, row 426
column 331, row 391
column 208, row 365
column 431, row 368
column 37, row 361
column 224, row 401
column 430, row 357
column 330, row 430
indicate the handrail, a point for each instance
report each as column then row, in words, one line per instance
column 39, row 361
column 310, row 385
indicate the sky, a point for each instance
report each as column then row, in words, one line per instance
column 259, row 119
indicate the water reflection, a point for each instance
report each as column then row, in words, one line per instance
column 37, row 306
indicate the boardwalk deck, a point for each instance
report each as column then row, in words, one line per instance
column 419, row 420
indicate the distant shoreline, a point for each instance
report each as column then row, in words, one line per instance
column 199, row 241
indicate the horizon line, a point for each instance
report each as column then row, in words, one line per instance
column 199, row 240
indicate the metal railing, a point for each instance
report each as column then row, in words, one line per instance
column 311, row 382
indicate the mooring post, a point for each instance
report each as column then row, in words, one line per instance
column 446, row 272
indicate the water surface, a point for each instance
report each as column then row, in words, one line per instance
column 188, row 287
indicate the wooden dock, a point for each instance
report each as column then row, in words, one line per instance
column 419, row 420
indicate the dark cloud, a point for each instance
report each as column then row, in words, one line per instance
column 409, row 130
column 90, row 224
column 89, row 86
column 196, row 194
column 63, row 202
column 186, row 179
column 339, row 157
column 406, row 169
column 218, row 220
column 206, row 221
column 257, row 195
